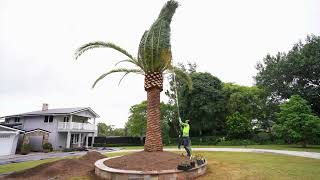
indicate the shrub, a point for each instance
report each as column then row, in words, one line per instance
column 262, row 138
column 25, row 149
column 47, row 146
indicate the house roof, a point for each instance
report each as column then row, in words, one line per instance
column 60, row 111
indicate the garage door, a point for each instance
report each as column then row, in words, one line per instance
column 5, row 144
column 36, row 143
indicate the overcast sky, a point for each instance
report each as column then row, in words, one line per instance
column 226, row 38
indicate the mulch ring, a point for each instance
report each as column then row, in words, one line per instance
column 61, row 169
column 147, row 161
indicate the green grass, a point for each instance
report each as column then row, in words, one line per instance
column 230, row 165
column 23, row 165
column 236, row 165
column 291, row 147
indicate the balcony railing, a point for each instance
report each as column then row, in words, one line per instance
column 76, row 126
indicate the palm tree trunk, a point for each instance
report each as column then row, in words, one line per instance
column 153, row 136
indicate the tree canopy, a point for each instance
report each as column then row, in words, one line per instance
column 296, row 122
column 109, row 130
column 293, row 73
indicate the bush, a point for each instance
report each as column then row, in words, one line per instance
column 236, row 142
column 25, row 149
column 47, row 146
column 262, row 138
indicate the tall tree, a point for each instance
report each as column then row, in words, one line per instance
column 296, row 72
column 203, row 104
column 104, row 129
column 296, row 121
column 154, row 58
column 109, row 130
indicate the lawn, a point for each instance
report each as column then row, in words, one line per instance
column 23, row 165
column 232, row 165
column 236, row 165
column 291, row 147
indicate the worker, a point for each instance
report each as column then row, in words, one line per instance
column 185, row 136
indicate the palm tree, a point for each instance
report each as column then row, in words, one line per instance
column 153, row 60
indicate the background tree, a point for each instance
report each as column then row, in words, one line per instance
column 203, row 105
column 296, row 121
column 109, row 130
column 238, row 126
column 294, row 73
column 249, row 102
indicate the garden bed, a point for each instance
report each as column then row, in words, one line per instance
column 147, row 161
column 147, row 165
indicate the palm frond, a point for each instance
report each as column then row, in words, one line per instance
column 129, row 61
column 123, row 70
column 100, row 44
column 183, row 75
column 123, row 77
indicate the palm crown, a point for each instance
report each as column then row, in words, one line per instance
column 154, row 54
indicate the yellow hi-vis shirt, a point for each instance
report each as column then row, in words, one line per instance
column 185, row 130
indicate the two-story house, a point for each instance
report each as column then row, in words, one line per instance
column 67, row 127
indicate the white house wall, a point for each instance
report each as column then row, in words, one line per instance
column 34, row 122
column 62, row 140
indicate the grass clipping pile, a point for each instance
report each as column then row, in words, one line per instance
column 61, row 169
column 147, row 161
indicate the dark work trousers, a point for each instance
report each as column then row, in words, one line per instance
column 186, row 145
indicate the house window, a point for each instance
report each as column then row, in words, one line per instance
column 75, row 138
column 17, row 119
column 7, row 120
column 48, row 119
column 4, row 136
column 66, row 119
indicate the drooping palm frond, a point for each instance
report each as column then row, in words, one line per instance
column 183, row 75
column 123, row 70
column 155, row 47
column 126, row 60
column 100, row 44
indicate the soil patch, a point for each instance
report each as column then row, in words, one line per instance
column 147, row 161
column 61, row 169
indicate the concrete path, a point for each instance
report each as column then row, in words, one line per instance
column 313, row 155
column 39, row 156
